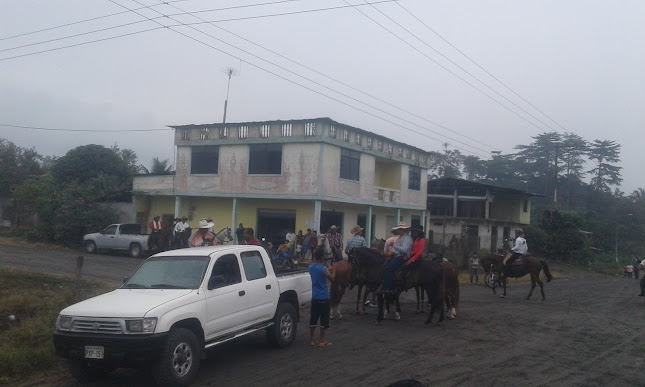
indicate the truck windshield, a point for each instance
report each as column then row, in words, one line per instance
column 169, row 273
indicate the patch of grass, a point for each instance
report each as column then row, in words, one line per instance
column 26, row 346
column 12, row 241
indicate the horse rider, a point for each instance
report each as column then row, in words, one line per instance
column 418, row 246
column 336, row 243
column 180, row 227
column 356, row 240
column 518, row 250
column 155, row 227
column 203, row 237
column 402, row 249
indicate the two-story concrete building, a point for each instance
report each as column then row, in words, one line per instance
column 482, row 215
column 277, row 176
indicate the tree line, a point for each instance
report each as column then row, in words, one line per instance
column 58, row 199
column 580, row 213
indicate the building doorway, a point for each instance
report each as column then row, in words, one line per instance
column 328, row 219
column 473, row 238
column 493, row 240
column 273, row 225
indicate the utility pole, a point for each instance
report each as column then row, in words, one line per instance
column 555, row 186
column 230, row 72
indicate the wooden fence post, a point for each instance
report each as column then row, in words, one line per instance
column 78, row 276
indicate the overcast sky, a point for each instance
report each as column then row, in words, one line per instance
column 580, row 62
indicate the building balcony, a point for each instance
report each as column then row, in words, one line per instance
column 387, row 195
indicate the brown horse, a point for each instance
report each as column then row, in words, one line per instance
column 521, row 267
column 342, row 279
column 451, row 283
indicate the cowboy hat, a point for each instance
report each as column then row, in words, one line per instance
column 418, row 227
column 333, row 227
column 401, row 226
column 205, row 224
column 356, row 230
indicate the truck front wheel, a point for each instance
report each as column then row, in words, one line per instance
column 90, row 247
column 179, row 361
column 283, row 331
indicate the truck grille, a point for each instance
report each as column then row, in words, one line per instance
column 96, row 326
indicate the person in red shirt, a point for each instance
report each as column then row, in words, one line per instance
column 155, row 226
column 248, row 237
column 418, row 244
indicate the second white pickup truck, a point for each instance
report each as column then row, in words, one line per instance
column 175, row 306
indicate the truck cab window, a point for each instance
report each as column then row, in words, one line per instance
column 253, row 265
column 110, row 230
column 226, row 272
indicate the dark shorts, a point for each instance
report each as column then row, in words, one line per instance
column 320, row 311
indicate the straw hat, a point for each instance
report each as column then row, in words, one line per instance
column 401, row 226
column 205, row 224
column 356, row 230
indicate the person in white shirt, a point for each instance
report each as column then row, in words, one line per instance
column 642, row 283
column 519, row 249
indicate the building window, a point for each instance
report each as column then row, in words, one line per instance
column 525, row 205
column 204, row 134
column 223, row 132
column 414, row 179
column 346, row 135
column 286, row 130
column 204, row 160
column 310, row 129
column 265, row 159
column 408, row 154
column 390, row 148
column 400, row 152
column 243, row 132
column 185, row 134
column 357, row 138
column 369, row 143
column 332, row 131
column 380, row 145
column 350, row 164
column 265, row 131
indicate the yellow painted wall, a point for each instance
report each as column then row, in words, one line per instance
column 160, row 205
column 247, row 211
column 388, row 174
column 218, row 209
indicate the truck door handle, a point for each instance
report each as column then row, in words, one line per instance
column 241, row 293
column 268, row 287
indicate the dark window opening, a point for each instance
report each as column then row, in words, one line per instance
column 350, row 164
column 265, row 159
column 414, row 179
column 204, row 160
column 525, row 205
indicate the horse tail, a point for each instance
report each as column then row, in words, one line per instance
column 545, row 266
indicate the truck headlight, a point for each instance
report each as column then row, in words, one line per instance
column 142, row 325
column 64, row 322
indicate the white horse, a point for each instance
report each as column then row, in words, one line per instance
column 224, row 236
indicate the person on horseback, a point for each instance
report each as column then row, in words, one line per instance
column 336, row 243
column 402, row 249
column 179, row 232
column 202, row 237
column 418, row 245
column 519, row 249
column 356, row 240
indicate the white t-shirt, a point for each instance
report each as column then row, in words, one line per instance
column 520, row 246
column 181, row 226
column 290, row 237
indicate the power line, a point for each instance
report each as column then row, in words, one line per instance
column 82, row 130
column 442, row 66
column 290, row 80
column 335, row 80
column 181, row 24
column 317, row 83
column 478, row 65
column 166, row 2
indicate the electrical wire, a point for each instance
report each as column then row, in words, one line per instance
column 478, row 65
column 82, row 130
column 442, row 66
column 294, row 82
column 317, row 83
column 335, row 80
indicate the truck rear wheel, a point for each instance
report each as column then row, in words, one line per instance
column 84, row 372
column 179, row 361
column 135, row 250
column 283, row 331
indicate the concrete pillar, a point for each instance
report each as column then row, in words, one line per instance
column 423, row 221
column 234, row 221
column 317, row 211
column 368, row 225
column 134, row 209
column 398, row 217
column 487, row 206
column 177, row 206
column 454, row 204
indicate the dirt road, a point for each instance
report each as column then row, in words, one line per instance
column 587, row 332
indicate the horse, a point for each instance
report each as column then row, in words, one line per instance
column 224, row 236
column 521, row 267
column 451, row 283
column 342, row 279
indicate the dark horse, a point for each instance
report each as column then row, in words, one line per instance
column 368, row 270
column 521, row 267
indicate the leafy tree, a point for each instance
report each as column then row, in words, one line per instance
column 605, row 174
column 474, row 168
column 16, row 165
column 447, row 164
column 538, row 159
column 36, row 197
column 638, row 196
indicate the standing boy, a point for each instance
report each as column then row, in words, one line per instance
column 319, row 298
column 474, row 268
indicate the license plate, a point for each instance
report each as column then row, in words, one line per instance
column 93, row 352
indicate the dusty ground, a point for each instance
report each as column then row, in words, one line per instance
column 587, row 332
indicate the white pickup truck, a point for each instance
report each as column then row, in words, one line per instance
column 117, row 237
column 176, row 305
